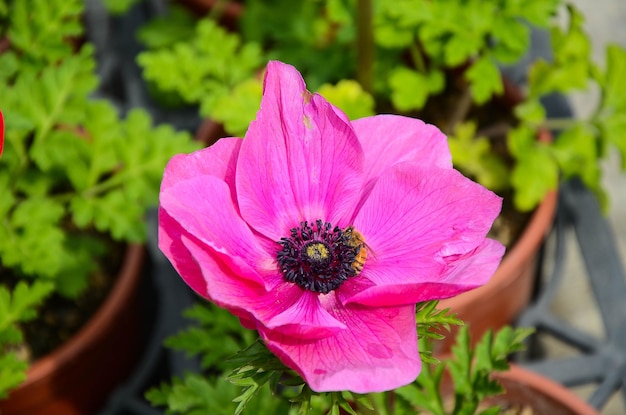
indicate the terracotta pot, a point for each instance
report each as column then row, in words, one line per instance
column 77, row 377
column 545, row 396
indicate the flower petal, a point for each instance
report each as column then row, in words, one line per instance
column 462, row 273
column 219, row 160
column 299, row 160
column 437, row 214
column 377, row 352
column 171, row 245
column 202, row 205
column 305, row 318
column 390, row 139
column 285, row 308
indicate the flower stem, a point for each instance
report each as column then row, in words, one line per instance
column 417, row 58
column 365, row 44
column 460, row 111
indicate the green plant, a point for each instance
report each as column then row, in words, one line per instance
column 253, row 380
column 76, row 179
column 438, row 61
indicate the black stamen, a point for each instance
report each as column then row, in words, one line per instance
column 319, row 259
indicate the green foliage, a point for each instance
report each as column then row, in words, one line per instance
column 41, row 27
column 216, row 335
column 74, row 176
column 198, row 395
column 579, row 144
column 425, row 50
column 410, row 89
column 350, row 97
column 611, row 115
column 474, row 157
column 19, row 306
column 117, row 7
column 470, row 370
column 213, row 69
column 431, row 322
column 164, row 32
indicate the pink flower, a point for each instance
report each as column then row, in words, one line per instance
column 322, row 233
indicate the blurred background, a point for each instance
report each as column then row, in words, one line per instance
column 605, row 24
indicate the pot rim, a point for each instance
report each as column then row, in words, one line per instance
column 546, row 386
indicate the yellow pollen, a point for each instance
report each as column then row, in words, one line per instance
column 317, row 251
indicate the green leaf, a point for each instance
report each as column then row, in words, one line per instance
column 218, row 337
column 611, row 116
column 576, row 151
column 163, row 32
column 12, row 373
column 485, row 79
column 425, row 393
column 538, row 12
column 535, row 174
column 237, row 108
column 118, row 7
column 512, row 39
column 18, row 306
column 571, row 67
column 350, row 97
column 34, row 242
column 431, row 321
column 195, row 395
column 531, row 111
column 474, row 157
column 40, row 28
column 409, row 89
column 212, row 61
column 615, row 72
column 458, row 49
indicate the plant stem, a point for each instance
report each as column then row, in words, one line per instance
column 417, row 58
column 459, row 113
column 365, row 44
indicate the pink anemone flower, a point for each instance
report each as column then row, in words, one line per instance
column 322, row 234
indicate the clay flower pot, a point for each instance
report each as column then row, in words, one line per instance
column 528, row 389
column 77, row 377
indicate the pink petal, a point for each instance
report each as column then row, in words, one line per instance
column 436, row 214
column 219, row 160
column 299, row 160
column 377, row 351
column 170, row 243
column 391, row 139
column 202, row 205
column 462, row 273
column 285, row 308
column 305, row 318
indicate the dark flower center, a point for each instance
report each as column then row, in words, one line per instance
column 317, row 257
